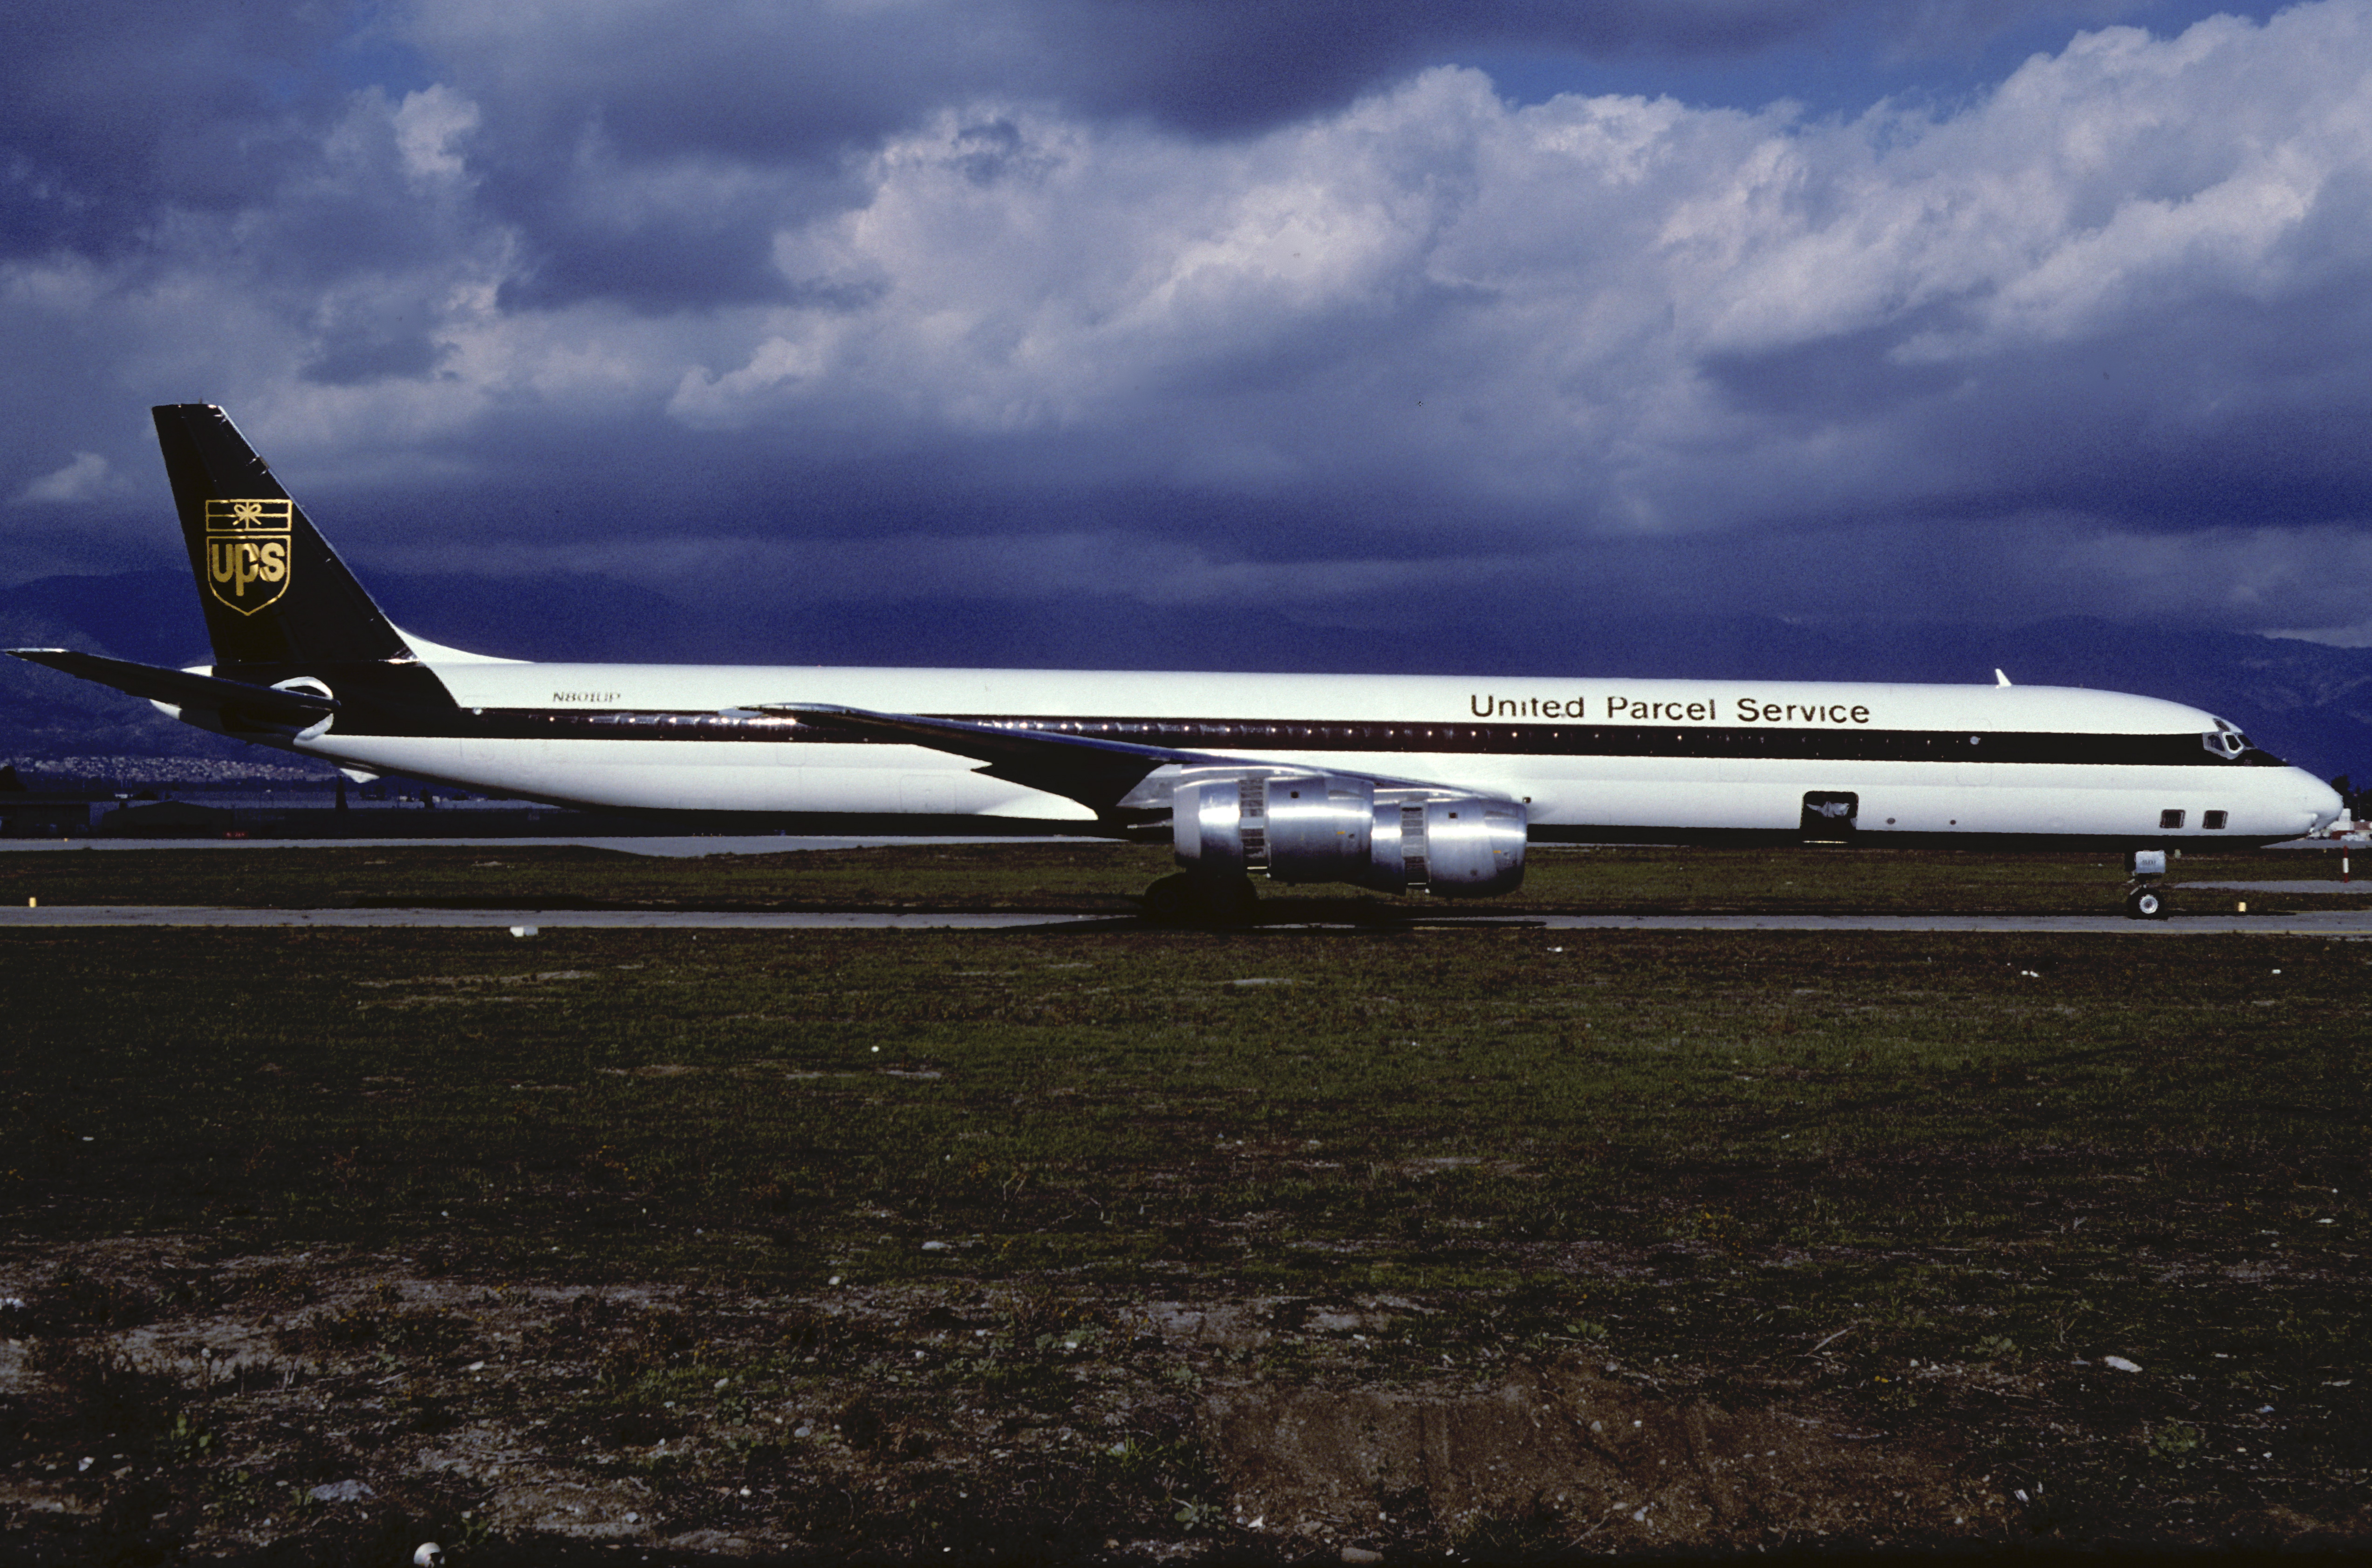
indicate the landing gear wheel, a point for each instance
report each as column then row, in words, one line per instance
column 1171, row 901
column 1234, row 902
column 2146, row 903
column 1181, row 900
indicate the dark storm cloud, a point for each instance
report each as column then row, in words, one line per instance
column 794, row 80
column 578, row 97
column 1028, row 303
column 114, row 111
column 1227, row 67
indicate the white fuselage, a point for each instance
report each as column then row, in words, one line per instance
column 1594, row 758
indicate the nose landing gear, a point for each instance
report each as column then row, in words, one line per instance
column 2144, row 898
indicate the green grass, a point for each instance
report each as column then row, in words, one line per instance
column 1097, row 877
column 888, row 1176
column 1089, row 876
column 1968, row 1136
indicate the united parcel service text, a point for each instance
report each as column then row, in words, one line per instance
column 1635, row 710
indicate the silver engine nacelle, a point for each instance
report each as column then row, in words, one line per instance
column 1326, row 828
column 1463, row 846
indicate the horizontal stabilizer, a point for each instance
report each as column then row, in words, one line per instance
column 184, row 689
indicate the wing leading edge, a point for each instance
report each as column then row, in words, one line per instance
column 1098, row 773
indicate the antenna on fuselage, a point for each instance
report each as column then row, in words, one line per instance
column 1999, row 679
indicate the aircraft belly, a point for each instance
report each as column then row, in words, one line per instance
column 1629, row 794
column 699, row 775
column 1998, row 799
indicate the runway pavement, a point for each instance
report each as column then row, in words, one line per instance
column 2324, row 923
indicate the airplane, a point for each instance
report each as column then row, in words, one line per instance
column 1403, row 785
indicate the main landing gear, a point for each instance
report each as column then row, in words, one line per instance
column 1179, row 899
column 2144, row 898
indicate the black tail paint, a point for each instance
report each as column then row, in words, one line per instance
column 274, row 592
column 278, row 601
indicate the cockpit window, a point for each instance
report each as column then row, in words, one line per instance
column 2228, row 743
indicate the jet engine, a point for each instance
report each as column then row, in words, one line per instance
column 1330, row 828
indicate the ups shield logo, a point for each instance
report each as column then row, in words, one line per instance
column 246, row 552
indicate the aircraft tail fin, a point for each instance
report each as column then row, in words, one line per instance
column 276, row 595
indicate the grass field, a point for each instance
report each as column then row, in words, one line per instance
column 1030, row 1242
column 1086, row 877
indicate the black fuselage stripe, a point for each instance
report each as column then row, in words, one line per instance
column 1712, row 743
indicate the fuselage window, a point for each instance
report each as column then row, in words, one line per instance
column 2169, row 818
column 2212, row 820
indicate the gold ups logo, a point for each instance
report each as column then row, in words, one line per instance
column 246, row 552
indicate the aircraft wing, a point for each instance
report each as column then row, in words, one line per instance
column 1088, row 768
column 1091, row 770
column 184, row 689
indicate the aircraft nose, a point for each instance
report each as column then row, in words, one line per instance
column 2322, row 803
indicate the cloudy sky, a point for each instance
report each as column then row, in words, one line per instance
column 1353, row 311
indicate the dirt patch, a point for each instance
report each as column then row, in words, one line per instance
column 331, row 1409
column 1569, row 1456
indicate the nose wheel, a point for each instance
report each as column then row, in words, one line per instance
column 2144, row 898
